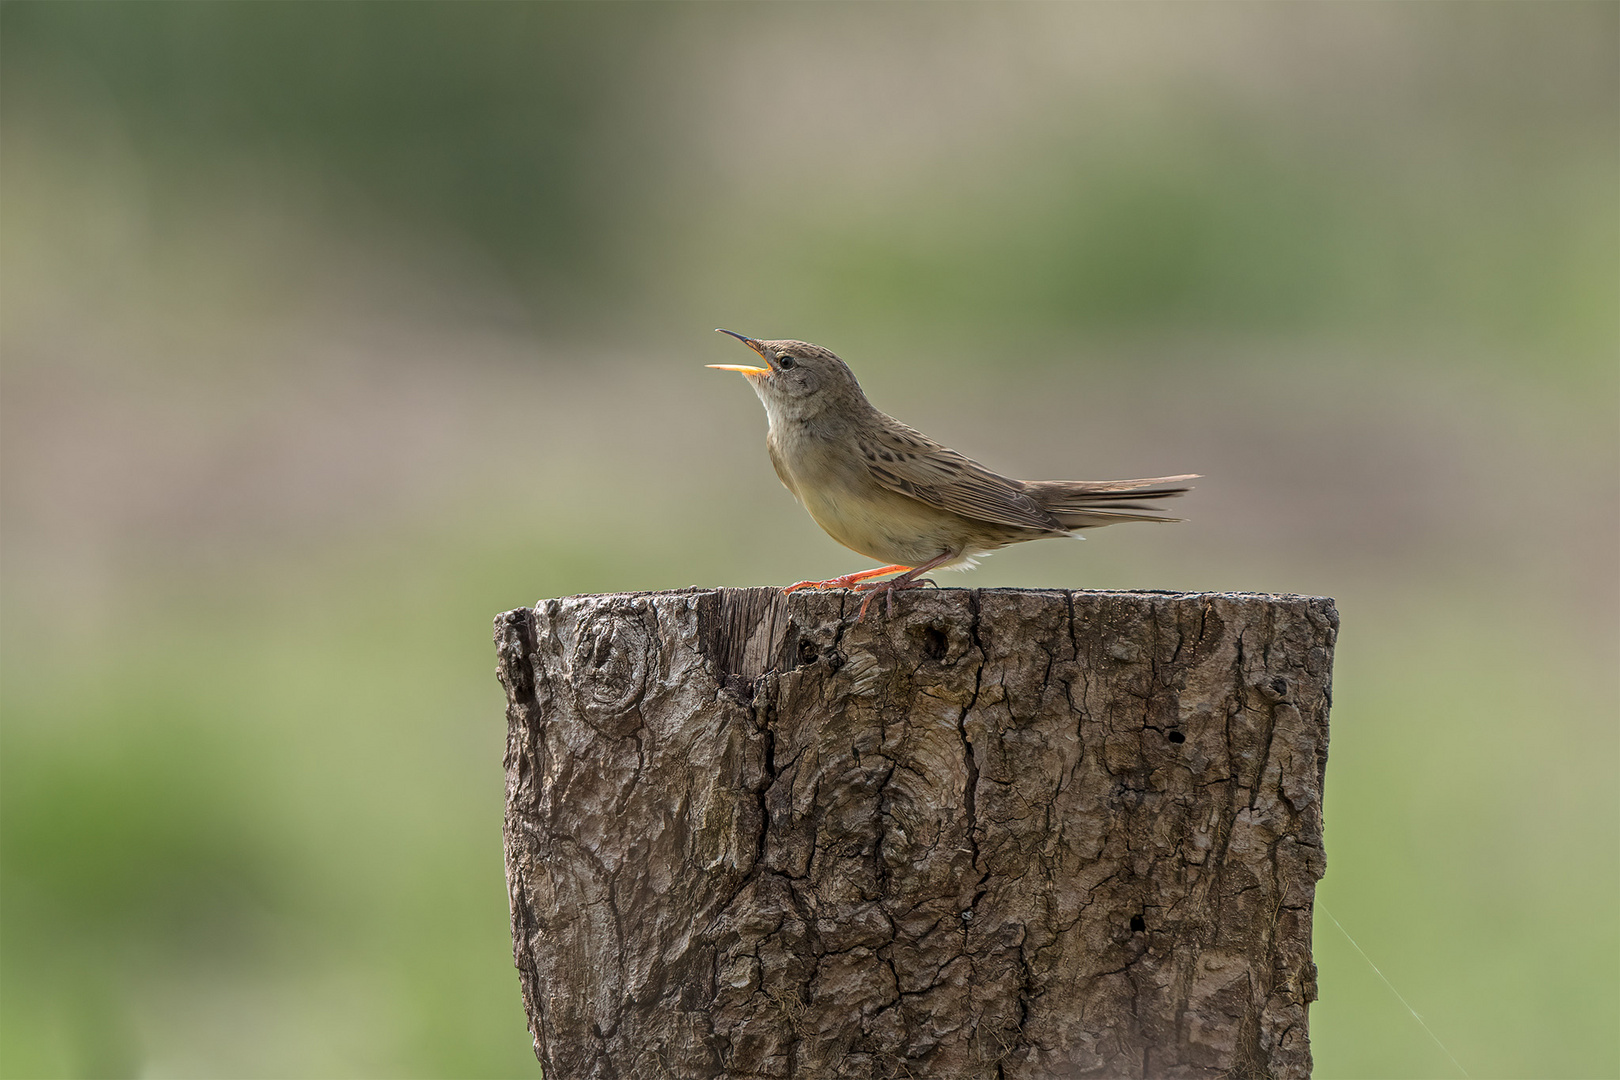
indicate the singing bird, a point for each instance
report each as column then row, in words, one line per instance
column 893, row 494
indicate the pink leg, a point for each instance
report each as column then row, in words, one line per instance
column 848, row 581
column 907, row 580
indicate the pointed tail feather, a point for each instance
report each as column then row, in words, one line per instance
column 1086, row 504
column 1091, row 519
column 1078, row 494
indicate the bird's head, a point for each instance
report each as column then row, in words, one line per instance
column 799, row 380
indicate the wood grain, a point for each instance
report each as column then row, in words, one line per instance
column 1004, row 833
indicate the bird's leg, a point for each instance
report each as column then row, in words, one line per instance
column 848, row 581
column 908, row 580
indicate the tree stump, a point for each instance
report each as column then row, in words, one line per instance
column 1000, row 833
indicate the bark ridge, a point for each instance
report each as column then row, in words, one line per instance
column 1002, row 833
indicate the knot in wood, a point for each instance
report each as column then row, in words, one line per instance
column 608, row 669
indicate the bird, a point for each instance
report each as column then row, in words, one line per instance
column 891, row 493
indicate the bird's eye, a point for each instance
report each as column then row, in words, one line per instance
column 786, row 362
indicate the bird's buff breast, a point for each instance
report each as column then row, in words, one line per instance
column 834, row 486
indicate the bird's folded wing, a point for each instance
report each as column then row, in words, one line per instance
column 907, row 461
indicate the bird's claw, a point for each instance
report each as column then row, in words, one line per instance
column 888, row 589
column 858, row 581
column 846, row 581
column 831, row 583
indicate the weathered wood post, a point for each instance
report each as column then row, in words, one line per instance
column 1002, row 833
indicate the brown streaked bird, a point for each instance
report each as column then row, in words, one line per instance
column 893, row 494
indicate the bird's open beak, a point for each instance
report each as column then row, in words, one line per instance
column 752, row 344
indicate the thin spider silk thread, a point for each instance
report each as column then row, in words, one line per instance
column 1394, row 991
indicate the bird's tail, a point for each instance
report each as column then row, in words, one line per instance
column 1086, row 504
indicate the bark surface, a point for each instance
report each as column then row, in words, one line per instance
column 1002, row 833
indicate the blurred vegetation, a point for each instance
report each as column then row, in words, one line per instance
column 330, row 331
column 484, row 117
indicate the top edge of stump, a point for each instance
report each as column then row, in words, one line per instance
column 1178, row 594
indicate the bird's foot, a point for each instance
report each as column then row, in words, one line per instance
column 848, row 581
column 908, row 580
column 887, row 589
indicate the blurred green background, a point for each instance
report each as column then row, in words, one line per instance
column 330, row 331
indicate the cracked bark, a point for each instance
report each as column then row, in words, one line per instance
column 1004, row 833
